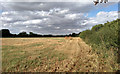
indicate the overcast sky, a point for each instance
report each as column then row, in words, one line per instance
column 55, row 17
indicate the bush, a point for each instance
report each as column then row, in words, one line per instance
column 105, row 42
column 105, row 35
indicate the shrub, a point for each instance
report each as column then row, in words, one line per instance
column 105, row 35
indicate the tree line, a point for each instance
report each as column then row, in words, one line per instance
column 6, row 33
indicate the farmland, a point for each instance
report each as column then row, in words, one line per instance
column 56, row 54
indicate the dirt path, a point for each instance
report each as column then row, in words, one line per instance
column 80, row 55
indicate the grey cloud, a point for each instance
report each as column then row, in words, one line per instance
column 48, row 18
column 46, row 6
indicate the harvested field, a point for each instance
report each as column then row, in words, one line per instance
column 48, row 55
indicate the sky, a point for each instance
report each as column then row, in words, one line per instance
column 55, row 17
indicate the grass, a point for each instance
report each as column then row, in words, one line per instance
column 44, row 55
column 6, row 47
column 36, row 44
column 28, row 57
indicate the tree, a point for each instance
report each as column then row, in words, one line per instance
column 97, row 27
column 101, row 1
column 73, row 35
column 31, row 34
column 5, row 33
column 23, row 34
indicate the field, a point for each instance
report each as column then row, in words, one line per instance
column 49, row 55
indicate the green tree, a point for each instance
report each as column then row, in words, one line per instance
column 23, row 34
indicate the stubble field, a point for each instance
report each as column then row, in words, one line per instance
column 48, row 55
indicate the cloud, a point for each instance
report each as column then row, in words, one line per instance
column 52, row 0
column 103, row 16
column 52, row 18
